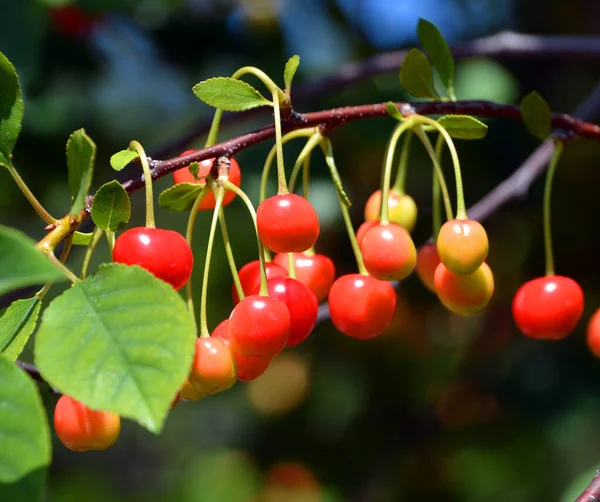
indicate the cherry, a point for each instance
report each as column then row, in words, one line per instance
column 548, row 307
column 183, row 175
column 189, row 392
column 214, row 367
column 593, row 334
column 300, row 301
column 287, row 223
column 81, row 429
column 249, row 276
column 464, row 294
column 164, row 253
column 363, row 229
column 71, row 21
column 361, row 306
column 259, row 326
column 427, row 261
column 316, row 271
column 402, row 208
column 389, row 252
column 462, row 245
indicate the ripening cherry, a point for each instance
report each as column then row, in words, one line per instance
column 427, row 261
column 361, row 306
column 402, row 209
column 164, row 253
column 363, row 229
column 464, row 294
column 389, row 253
column 214, row 368
column 189, row 392
column 287, row 223
column 593, row 334
column 462, row 245
column 183, row 175
column 316, row 271
column 81, row 429
column 249, row 276
column 548, row 307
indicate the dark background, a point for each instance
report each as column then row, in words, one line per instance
column 439, row 407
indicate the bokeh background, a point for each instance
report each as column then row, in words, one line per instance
column 437, row 408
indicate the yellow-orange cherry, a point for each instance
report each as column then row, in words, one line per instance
column 464, row 294
column 402, row 208
column 462, row 245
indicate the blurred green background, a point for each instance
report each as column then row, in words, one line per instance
column 439, row 407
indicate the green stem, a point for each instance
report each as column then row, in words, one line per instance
column 400, row 183
column 436, row 192
column 229, row 253
column 558, row 149
column 136, row 146
column 214, row 128
column 306, row 177
column 291, row 265
column 37, row 206
column 96, row 236
column 70, row 275
column 282, row 188
column 110, row 238
column 278, row 95
column 312, row 142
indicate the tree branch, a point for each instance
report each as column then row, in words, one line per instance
column 592, row 492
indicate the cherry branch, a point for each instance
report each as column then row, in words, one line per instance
column 592, row 492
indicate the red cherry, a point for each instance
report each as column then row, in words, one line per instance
column 165, row 253
column 259, row 326
column 389, row 252
column 183, row 175
column 427, row 261
column 300, row 301
column 462, row 245
column 71, row 21
column 361, row 306
column 593, row 334
column 363, row 229
column 214, row 368
column 249, row 276
column 548, row 307
column 402, row 208
column 464, row 294
column 287, row 223
column 315, row 271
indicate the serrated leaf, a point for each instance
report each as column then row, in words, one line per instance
column 536, row 116
column 437, row 48
column 81, row 155
column 290, row 70
column 120, row 159
column 229, row 94
column 21, row 264
column 17, row 323
column 393, row 111
column 24, row 432
column 194, row 169
column 121, row 340
column 416, row 75
column 81, row 238
column 180, row 197
column 463, row 126
column 11, row 108
column 111, row 208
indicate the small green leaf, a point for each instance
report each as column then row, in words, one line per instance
column 180, row 197
column 81, row 238
column 392, row 110
column 229, row 94
column 194, row 169
column 416, row 75
column 437, row 48
column 21, row 264
column 81, row 155
column 463, row 126
column 535, row 113
column 121, row 340
column 17, row 323
column 24, row 432
column 111, row 208
column 290, row 70
column 11, row 109
column 120, row 159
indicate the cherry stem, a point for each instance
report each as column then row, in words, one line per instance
column 304, row 156
column 306, row 177
column 136, row 146
column 110, row 238
column 399, row 184
column 436, row 192
column 282, row 188
column 214, row 128
column 96, row 236
column 70, row 275
column 291, row 265
column 229, row 254
column 42, row 292
column 558, row 149
column 37, row 206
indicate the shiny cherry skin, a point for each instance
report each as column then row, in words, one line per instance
column 402, row 209
column 361, row 306
column 249, row 276
column 190, row 393
column 548, row 307
column 462, row 245
column 316, row 271
column 389, row 253
column 300, row 301
column 363, row 229
column 183, row 175
column 593, row 334
column 164, row 253
column 259, row 326
column 427, row 261
column 81, row 429
column 214, row 368
column 464, row 294
column 287, row 223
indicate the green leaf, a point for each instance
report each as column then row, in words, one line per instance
column 290, row 70
column 111, row 208
column 535, row 113
column 120, row 159
column 229, row 94
column 30, row 488
column 437, row 48
column 194, row 169
column 81, row 154
column 180, row 197
column 11, row 109
column 24, row 432
column 463, row 126
column 17, row 323
column 21, row 264
column 121, row 340
column 416, row 75
column 81, row 238
column 392, row 110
